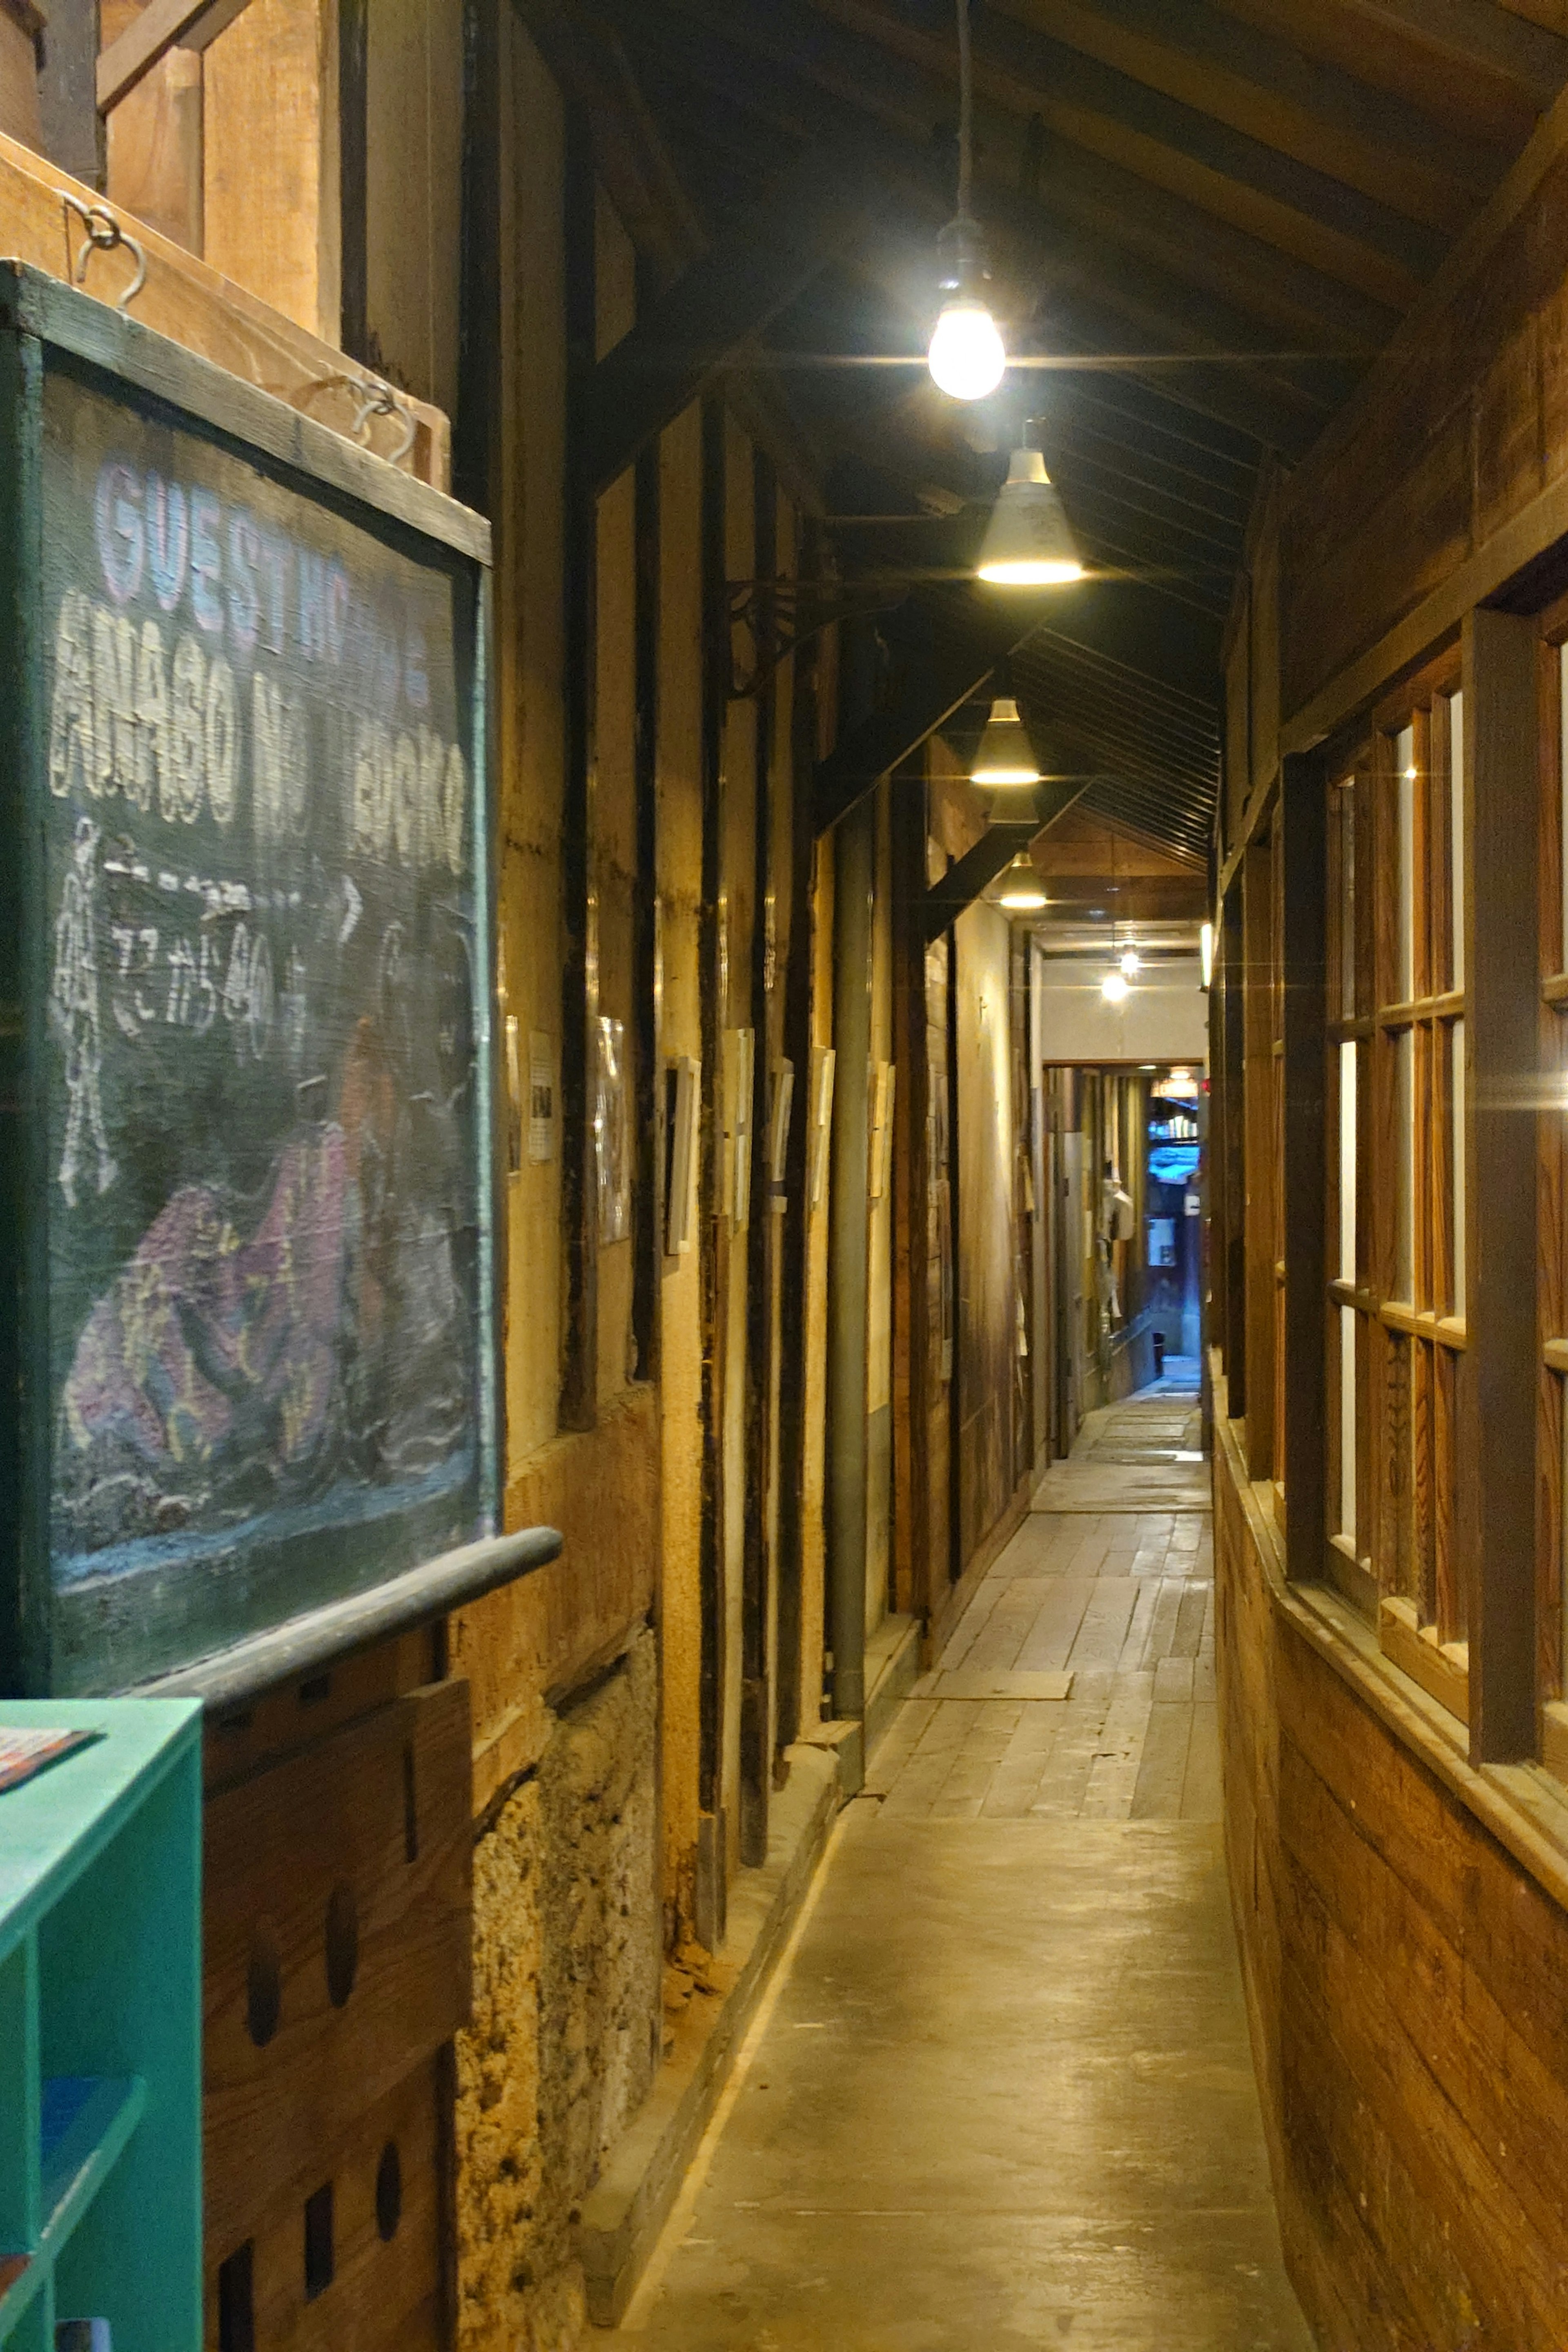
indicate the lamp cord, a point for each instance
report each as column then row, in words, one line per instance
column 966, row 112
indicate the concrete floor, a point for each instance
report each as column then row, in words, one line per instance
column 1001, row 2094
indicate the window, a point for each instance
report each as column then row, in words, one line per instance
column 1396, row 1061
column 1553, row 1583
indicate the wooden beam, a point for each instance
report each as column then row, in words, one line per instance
column 163, row 25
column 1480, row 36
column 945, row 652
column 1304, row 801
column 725, row 298
column 631, row 155
column 69, row 116
column 1097, row 295
column 1172, row 144
column 899, row 135
column 1232, row 1141
column 1498, row 1370
column 994, row 851
column 1260, row 84
column 1377, row 50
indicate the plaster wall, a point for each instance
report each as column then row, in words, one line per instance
column 564, row 2033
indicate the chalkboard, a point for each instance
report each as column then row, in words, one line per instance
column 254, row 1147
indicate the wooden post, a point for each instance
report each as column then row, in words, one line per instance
column 911, row 1259
column 1304, row 816
column 580, row 958
column 756, row 1745
column 1258, row 1092
column 1232, row 1142
column 1497, row 1404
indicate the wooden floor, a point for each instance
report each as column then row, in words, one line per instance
column 1000, row 2093
column 1121, row 1601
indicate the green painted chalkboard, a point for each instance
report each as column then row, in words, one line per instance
column 250, row 1151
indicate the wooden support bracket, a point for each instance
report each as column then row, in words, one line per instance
column 163, row 25
column 995, row 851
column 727, row 296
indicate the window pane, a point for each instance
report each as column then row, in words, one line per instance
column 1562, row 680
column 1347, row 902
column 1404, row 777
column 1405, row 1195
column 1347, row 1423
column 1457, row 1052
column 1457, row 832
column 1347, row 1162
column 1562, row 1512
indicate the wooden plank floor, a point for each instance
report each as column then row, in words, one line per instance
column 1002, row 2094
column 1120, row 1598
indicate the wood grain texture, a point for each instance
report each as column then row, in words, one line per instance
column 191, row 302
column 1412, row 2072
column 374, row 1822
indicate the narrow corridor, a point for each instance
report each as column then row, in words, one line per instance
column 1002, row 2096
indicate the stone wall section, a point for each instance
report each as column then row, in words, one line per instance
column 566, row 2024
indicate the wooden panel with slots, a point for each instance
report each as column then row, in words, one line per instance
column 337, row 1928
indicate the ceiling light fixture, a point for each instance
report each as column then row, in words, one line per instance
column 1022, row 895
column 1115, row 987
column 1132, row 963
column 1028, row 541
column 1006, row 756
column 967, row 357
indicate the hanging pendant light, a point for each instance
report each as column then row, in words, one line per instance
column 967, row 357
column 1028, row 541
column 1006, row 756
column 1022, row 894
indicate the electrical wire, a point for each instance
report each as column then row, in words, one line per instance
column 965, row 113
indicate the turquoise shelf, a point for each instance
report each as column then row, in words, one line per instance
column 100, row 2028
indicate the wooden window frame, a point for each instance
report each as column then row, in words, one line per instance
column 1405, row 1565
column 1551, row 1203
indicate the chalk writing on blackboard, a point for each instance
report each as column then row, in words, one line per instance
column 261, row 857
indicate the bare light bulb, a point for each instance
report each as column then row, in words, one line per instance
column 967, row 356
column 1114, row 988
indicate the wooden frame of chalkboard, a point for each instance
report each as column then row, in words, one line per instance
column 250, row 1244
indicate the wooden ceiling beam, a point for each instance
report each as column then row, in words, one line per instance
column 1381, row 52
column 1318, row 221
column 729, row 295
column 995, row 850
column 832, row 92
column 945, row 645
column 1371, row 139
column 1299, row 305
column 1482, row 38
column 1078, row 434
column 1100, row 394
column 631, row 155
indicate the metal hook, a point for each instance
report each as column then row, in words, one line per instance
column 372, row 398
column 104, row 231
column 380, row 400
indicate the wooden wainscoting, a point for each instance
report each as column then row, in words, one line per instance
column 1404, row 1973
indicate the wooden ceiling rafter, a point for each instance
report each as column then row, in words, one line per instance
column 1162, row 294
column 1372, row 140
column 1174, row 145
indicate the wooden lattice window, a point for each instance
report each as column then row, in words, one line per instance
column 1396, row 1251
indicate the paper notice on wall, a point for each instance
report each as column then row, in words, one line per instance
column 541, row 1098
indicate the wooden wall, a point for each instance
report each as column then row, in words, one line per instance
column 987, row 1317
column 1403, row 1911
column 1403, row 1975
